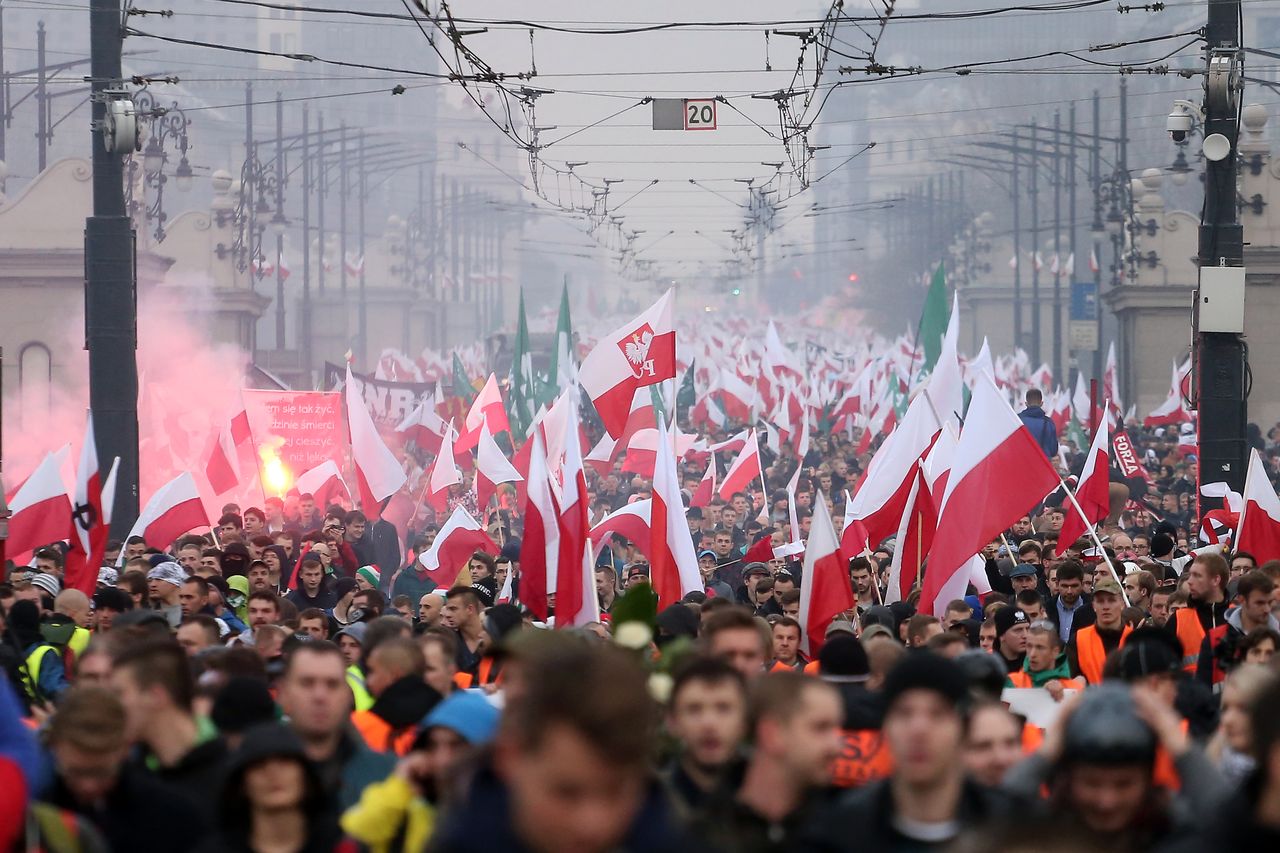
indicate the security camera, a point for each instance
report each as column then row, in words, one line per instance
column 1182, row 120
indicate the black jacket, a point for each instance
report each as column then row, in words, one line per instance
column 1084, row 617
column 140, row 814
column 862, row 820
column 197, row 776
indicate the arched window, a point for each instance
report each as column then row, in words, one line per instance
column 35, row 385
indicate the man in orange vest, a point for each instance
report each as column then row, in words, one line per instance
column 1219, row 647
column 1046, row 665
column 865, row 757
column 1088, row 649
column 401, row 696
column 1206, row 584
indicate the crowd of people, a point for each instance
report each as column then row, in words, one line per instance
column 289, row 682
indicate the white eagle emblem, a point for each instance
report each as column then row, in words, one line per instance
column 636, row 349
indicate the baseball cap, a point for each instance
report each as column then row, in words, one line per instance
column 707, row 552
column 755, row 569
column 1107, row 585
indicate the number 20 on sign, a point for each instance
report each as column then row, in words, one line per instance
column 700, row 114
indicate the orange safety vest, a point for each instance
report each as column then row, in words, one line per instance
column 1032, row 738
column 1023, row 680
column 864, row 758
column 379, row 734
column 1092, row 654
column 1190, row 635
column 486, row 673
column 812, row 668
column 779, row 666
column 1163, row 773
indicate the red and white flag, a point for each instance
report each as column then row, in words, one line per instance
column 89, row 521
column 631, row 521
column 1259, row 528
column 706, row 486
column 575, row 588
column 1093, row 261
column 1172, row 410
column 174, row 509
column 323, row 482
column 674, row 562
column 640, row 353
column 486, row 410
column 444, row 473
column 283, row 266
column 378, row 473
column 744, row 471
column 492, row 468
column 999, row 472
column 643, row 450
column 881, row 497
column 41, row 508
column 853, row 536
column 1111, row 381
column 825, row 591
column 1093, row 493
column 424, row 427
column 353, row 263
column 540, row 547
column 223, row 467
column 459, row 538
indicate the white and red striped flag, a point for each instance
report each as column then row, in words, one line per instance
column 459, row 537
column 825, row 590
column 744, row 471
column 424, row 427
column 639, row 353
column 674, row 561
column 486, row 410
column 41, row 508
column 576, row 602
column 444, row 473
column 492, row 468
column 174, row 509
column 706, row 486
column 223, row 467
column 89, row 521
column 1259, row 528
column 378, row 473
column 631, row 521
column 1093, row 493
column 323, row 482
column 1172, row 410
column 998, row 473
column 540, row 547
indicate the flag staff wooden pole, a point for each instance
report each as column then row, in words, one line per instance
column 1097, row 543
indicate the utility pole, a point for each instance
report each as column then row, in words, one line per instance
column 1057, row 244
column 363, row 319
column 1017, row 247
column 304, row 331
column 42, row 101
column 279, row 200
column 1095, row 180
column 1034, row 192
column 1221, row 364
column 111, row 316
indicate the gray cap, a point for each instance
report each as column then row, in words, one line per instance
column 1023, row 570
column 356, row 631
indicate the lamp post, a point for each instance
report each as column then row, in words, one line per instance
column 167, row 125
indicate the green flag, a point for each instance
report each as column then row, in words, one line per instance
column 563, row 368
column 520, row 400
column 933, row 319
column 462, row 386
column 686, row 397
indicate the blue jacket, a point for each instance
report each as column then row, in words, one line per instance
column 1042, row 429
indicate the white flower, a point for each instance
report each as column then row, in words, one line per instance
column 633, row 635
column 660, row 685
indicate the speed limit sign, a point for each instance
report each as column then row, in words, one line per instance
column 700, row 114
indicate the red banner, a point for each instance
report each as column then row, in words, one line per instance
column 1127, row 456
column 300, row 428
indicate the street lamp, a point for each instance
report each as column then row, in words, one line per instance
column 259, row 183
column 1180, row 168
column 167, row 124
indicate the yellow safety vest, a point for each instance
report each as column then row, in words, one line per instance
column 31, row 672
column 355, row 680
column 79, row 641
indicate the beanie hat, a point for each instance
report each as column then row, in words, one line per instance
column 1106, row 729
column 370, row 574
column 501, row 620
column 342, row 586
column 985, row 672
column 486, row 589
column 466, row 712
column 924, row 670
column 510, row 552
column 1149, row 651
column 1007, row 618
column 1161, row 545
column 48, row 583
column 842, row 658
column 169, row 572
column 243, row 702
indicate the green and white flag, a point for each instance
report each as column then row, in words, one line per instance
column 564, row 368
column 933, row 319
column 524, row 389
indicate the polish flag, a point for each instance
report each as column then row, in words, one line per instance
column 323, row 482
column 1110, row 379
column 1259, row 528
column 706, row 486
column 487, row 409
column 353, row 263
column 89, row 521
column 41, row 509
column 283, row 266
column 424, row 427
column 881, row 498
column 492, row 468
column 631, row 521
column 576, row 602
column 601, row 456
column 1172, row 410
column 643, row 450
column 998, row 473
column 640, row 353
column 540, row 547
column 378, row 474
column 444, row 473
column 1093, row 261
column 459, row 538
column 732, row 444
column 853, row 536
column 825, row 591
column 1093, row 492
column 915, row 537
column 745, row 469
column 174, row 509
column 736, row 397
column 223, row 467
column 674, row 562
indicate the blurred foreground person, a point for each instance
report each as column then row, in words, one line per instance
column 570, row 770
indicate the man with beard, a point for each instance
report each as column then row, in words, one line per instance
column 1070, row 610
column 707, row 717
column 1012, row 626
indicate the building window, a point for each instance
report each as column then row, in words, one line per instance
column 35, row 385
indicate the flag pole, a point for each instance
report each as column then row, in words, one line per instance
column 1093, row 534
